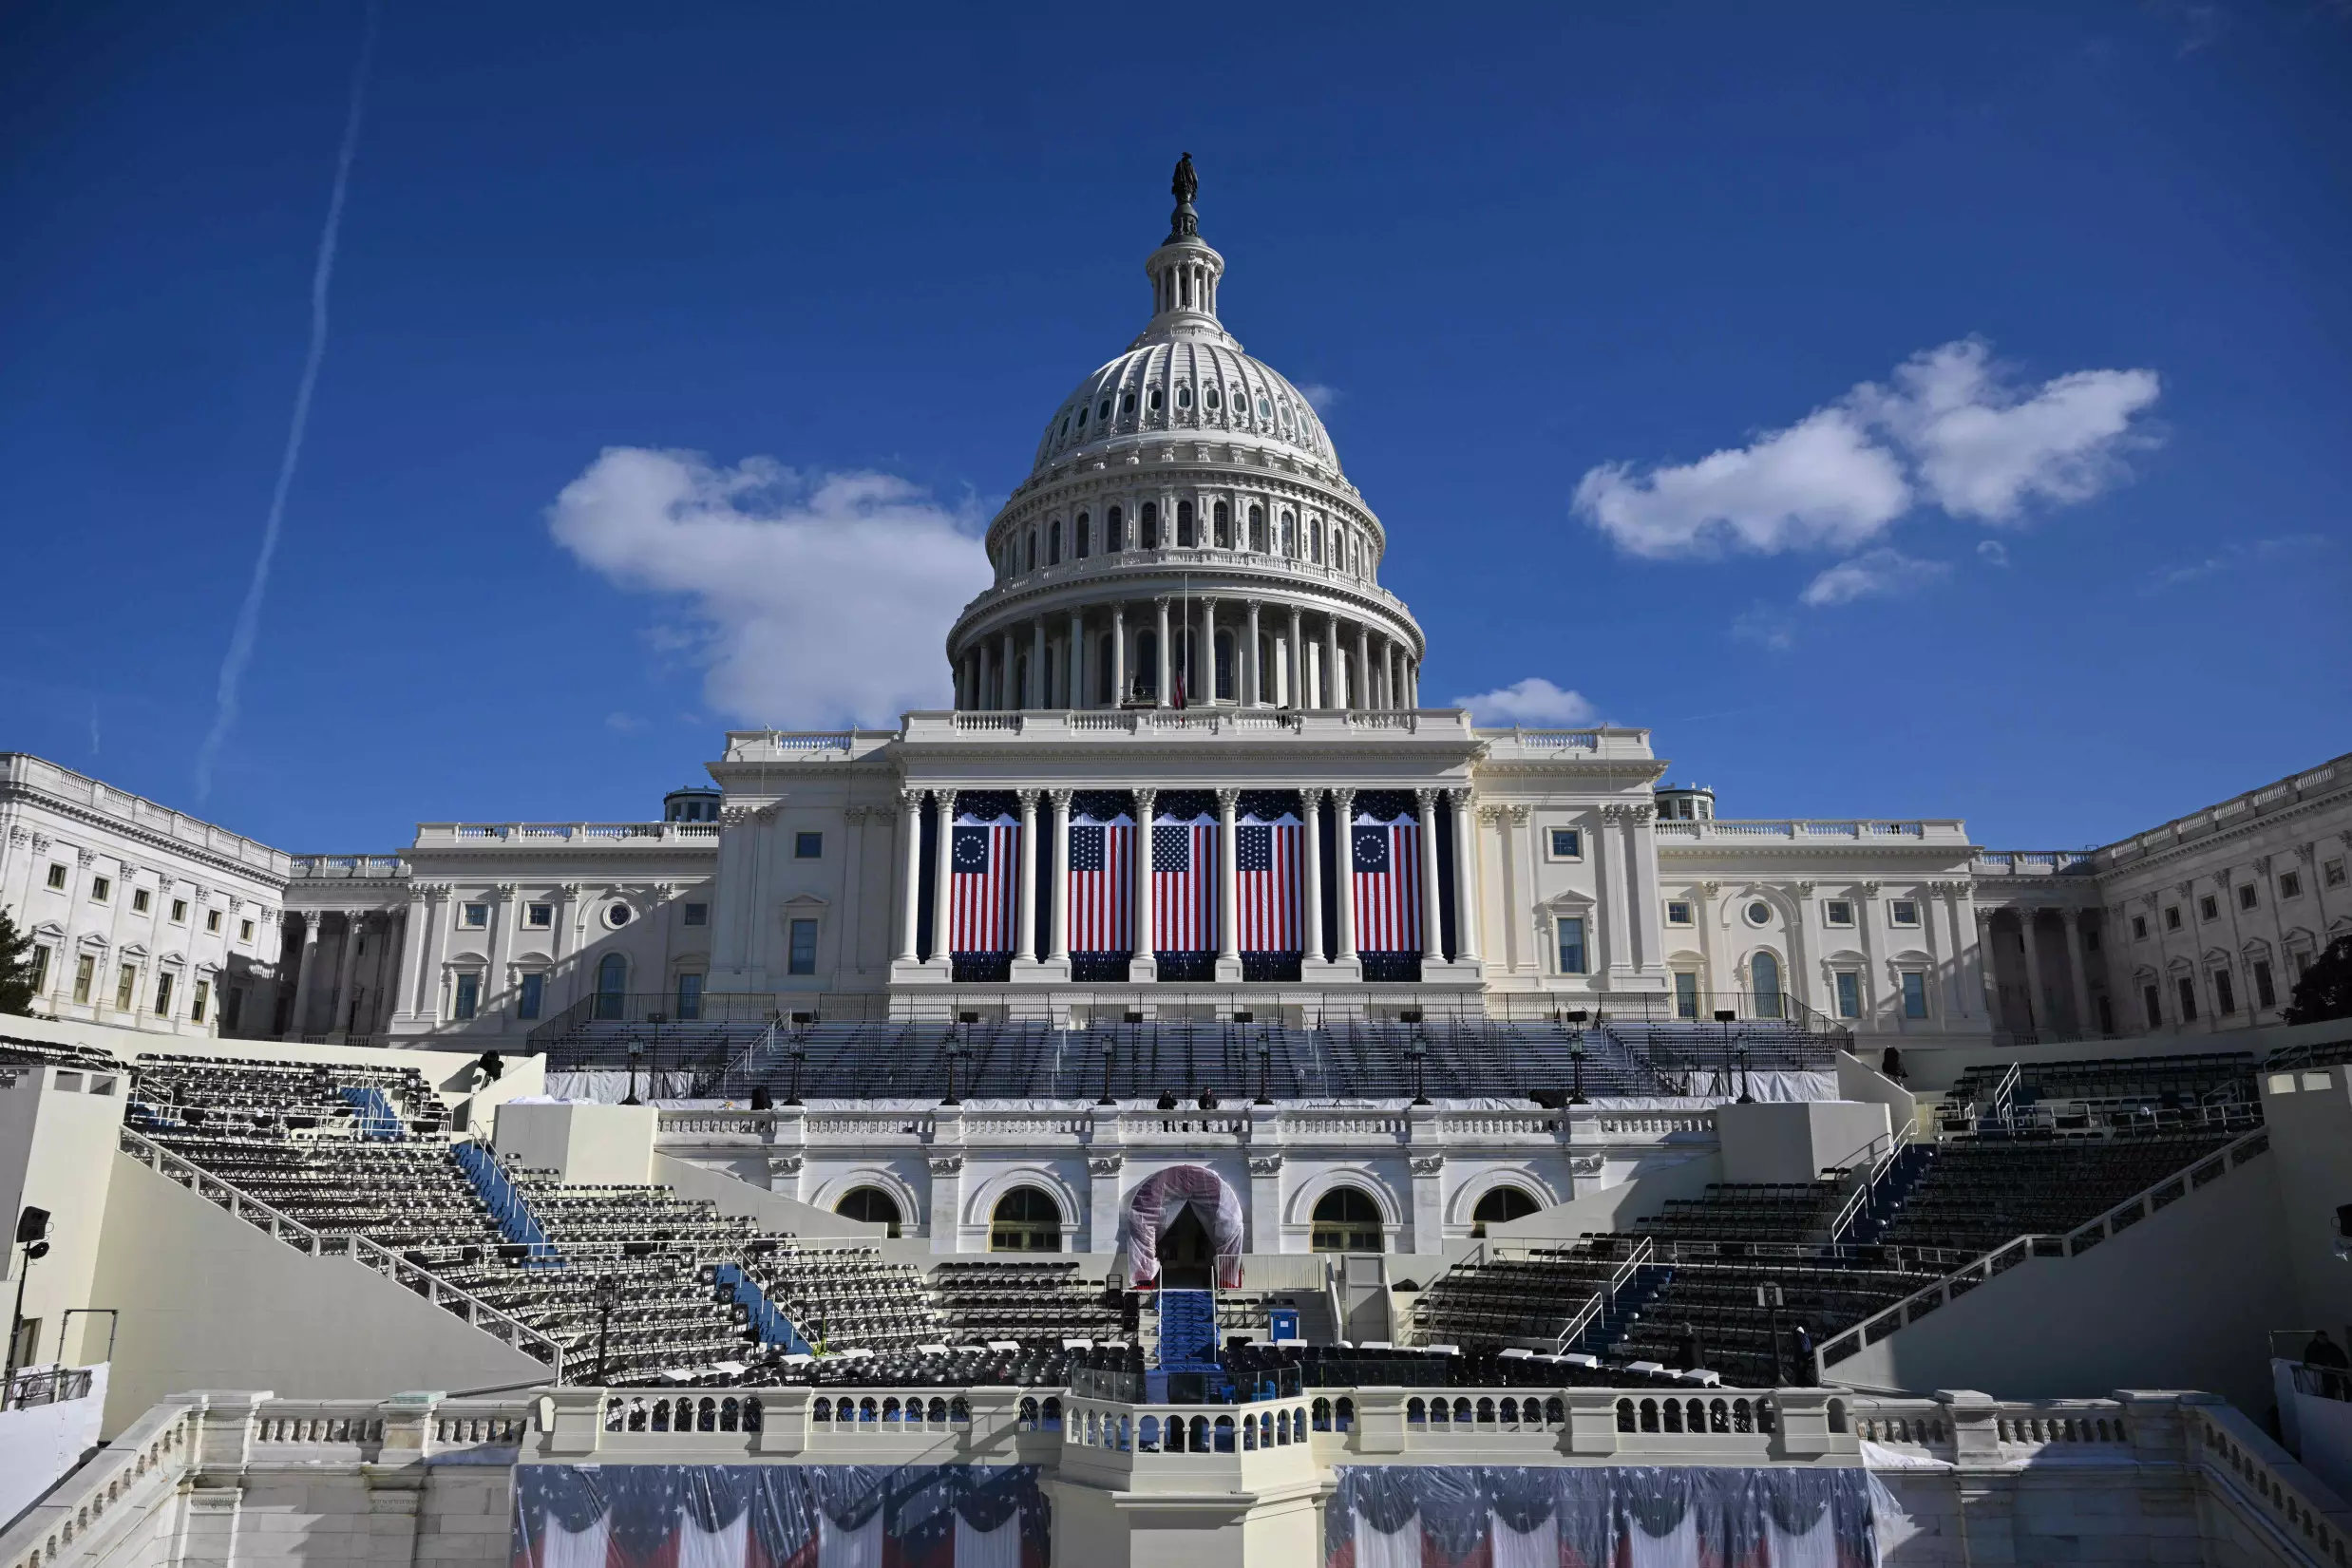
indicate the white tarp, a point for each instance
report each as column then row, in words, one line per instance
column 1162, row 1198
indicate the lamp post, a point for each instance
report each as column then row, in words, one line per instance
column 800, row 1055
column 1767, row 1296
column 637, row 1054
column 1576, row 1059
column 1105, row 1098
column 1265, row 1070
column 608, row 1297
column 955, row 1048
column 1417, row 1054
column 32, row 1228
column 1745, row 1098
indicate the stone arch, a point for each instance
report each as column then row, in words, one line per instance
column 981, row 1199
column 831, row 1192
column 1299, row 1210
column 1464, row 1199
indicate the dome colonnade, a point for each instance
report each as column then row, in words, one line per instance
column 1186, row 527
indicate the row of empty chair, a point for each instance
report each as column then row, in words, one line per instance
column 1027, row 1301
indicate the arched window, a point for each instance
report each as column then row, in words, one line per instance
column 1053, row 542
column 1032, row 551
column 1221, row 521
column 1184, row 524
column 1027, row 1221
column 1103, row 412
column 1499, row 1204
column 1085, row 534
column 1115, row 533
column 1347, row 1221
column 613, row 987
column 1225, row 690
column 1764, row 979
column 1127, row 403
column 1184, row 395
column 1148, row 525
column 871, row 1206
column 1211, row 400
column 1082, row 422
column 1315, row 541
column 1155, row 400
column 1258, row 529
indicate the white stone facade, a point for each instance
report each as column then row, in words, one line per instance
column 141, row 917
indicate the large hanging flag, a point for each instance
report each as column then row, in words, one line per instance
column 1386, row 860
column 984, row 874
column 1183, row 882
column 1267, row 881
column 1102, row 880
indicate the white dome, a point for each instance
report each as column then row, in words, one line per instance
column 1192, row 382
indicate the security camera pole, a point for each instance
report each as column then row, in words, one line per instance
column 31, row 1226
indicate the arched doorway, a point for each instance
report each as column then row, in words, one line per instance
column 612, row 987
column 1187, row 1254
column 1027, row 1221
column 1347, row 1221
column 1501, row 1203
column 1764, row 981
column 871, row 1206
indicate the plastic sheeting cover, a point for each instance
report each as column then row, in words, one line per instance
column 1599, row 1517
column 1162, row 1198
column 798, row 1516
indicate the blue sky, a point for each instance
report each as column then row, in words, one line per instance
column 2022, row 333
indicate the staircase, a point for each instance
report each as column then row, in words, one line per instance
column 1620, row 1312
column 1908, row 1168
column 1187, row 1332
column 377, row 1119
column 764, row 1316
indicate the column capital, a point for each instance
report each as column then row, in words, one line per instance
column 1028, row 798
column 1426, row 794
column 1060, row 798
column 1227, row 800
column 1163, row 600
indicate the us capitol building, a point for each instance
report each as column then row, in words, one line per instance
column 1187, row 775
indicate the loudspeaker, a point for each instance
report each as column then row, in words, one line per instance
column 32, row 1224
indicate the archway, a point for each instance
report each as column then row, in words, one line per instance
column 1187, row 1253
column 1499, row 1204
column 612, row 987
column 1163, row 1203
column 1764, row 982
column 871, row 1206
column 1026, row 1220
column 1347, row 1221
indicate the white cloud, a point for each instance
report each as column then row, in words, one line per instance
column 1820, row 481
column 1874, row 573
column 1766, row 626
column 821, row 597
column 1994, row 551
column 622, row 723
column 1534, row 700
column 2231, row 557
column 1322, row 396
column 1949, row 432
column 1983, row 449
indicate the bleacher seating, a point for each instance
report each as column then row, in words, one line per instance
column 844, row 1298
column 1982, row 1193
column 1033, row 1301
column 2129, row 1091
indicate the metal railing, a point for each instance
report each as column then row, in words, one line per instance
column 35, row 1385
column 499, row 1325
column 1881, row 1166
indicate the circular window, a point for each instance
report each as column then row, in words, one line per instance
column 618, row 916
column 1759, row 913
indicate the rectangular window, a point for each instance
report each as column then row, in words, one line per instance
column 1848, row 993
column 802, row 959
column 469, row 995
column 689, row 995
column 40, row 970
column 538, row 916
column 2172, row 918
column 697, row 915
column 2188, row 999
column 2156, row 1012
column 180, row 911
column 2139, row 928
column 57, row 877
column 531, row 995
column 2290, row 886
column 1677, row 914
column 141, row 900
column 1903, row 912
column 126, row 987
column 1914, row 993
column 85, row 972
column 2245, row 896
column 2331, row 873
column 473, row 918
column 807, row 846
column 2224, row 994
column 1685, row 993
column 1567, row 843
column 212, row 921
column 244, row 930
column 2090, row 939
column 1572, row 945
column 2266, row 989
column 2209, row 908
column 163, row 995
column 1838, row 912
column 197, row 1000
column 101, row 888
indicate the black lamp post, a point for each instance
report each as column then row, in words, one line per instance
column 1576, row 1060
column 1745, row 1098
column 955, row 1048
column 1105, row 1099
column 32, row 1228
column 800, row 1055
column 637, row 1054
column 1767, row 1296
column 1265, row 1070
column 1417, row 1054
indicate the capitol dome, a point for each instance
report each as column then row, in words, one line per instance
column 1184, row 536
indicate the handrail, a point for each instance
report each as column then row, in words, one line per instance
column 501, row 1324
column 2004, row 1093
column 1866, row 1192
column 2080, row 1239
column 1582, row 1320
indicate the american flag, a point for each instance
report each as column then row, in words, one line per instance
column 1184, row 883
column 984, row 874
column 1102, row 883
column 1386, row 859
column 1265, row 858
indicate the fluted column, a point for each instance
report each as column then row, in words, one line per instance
column 312, row 919
column 1392, row 662
column 1433, row 929
column 1025, row 882
column 339, row 1004
column 1057, row 945
column 1009, row 675
column 1077, row 661
column 1361, row 691
column 1465, row 879
column 2074, row 973
column 2037, row 999
column 1204, row 657
column 1035, row 695
column 910, row 831
column 1160, row 697
column 1118, row 654
column 943, row 874
column 1294, row 687
column 1343, row 869
column 1145, row 962
column 1413, row 683
column 1334, row 692
column 1253, row 694
column 1313, row 870
column 1228, row 899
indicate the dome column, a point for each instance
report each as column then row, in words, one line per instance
column 1292, row 694
column 1077, row 670
column 1253, row 694
column 1160, row 693
column 1334, row 692
column 1008, row 675
column 1364, row 696
column 1036, row 695
column 1118, row 654
column 1204, row 657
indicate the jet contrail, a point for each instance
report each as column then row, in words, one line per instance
column 249, row 613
